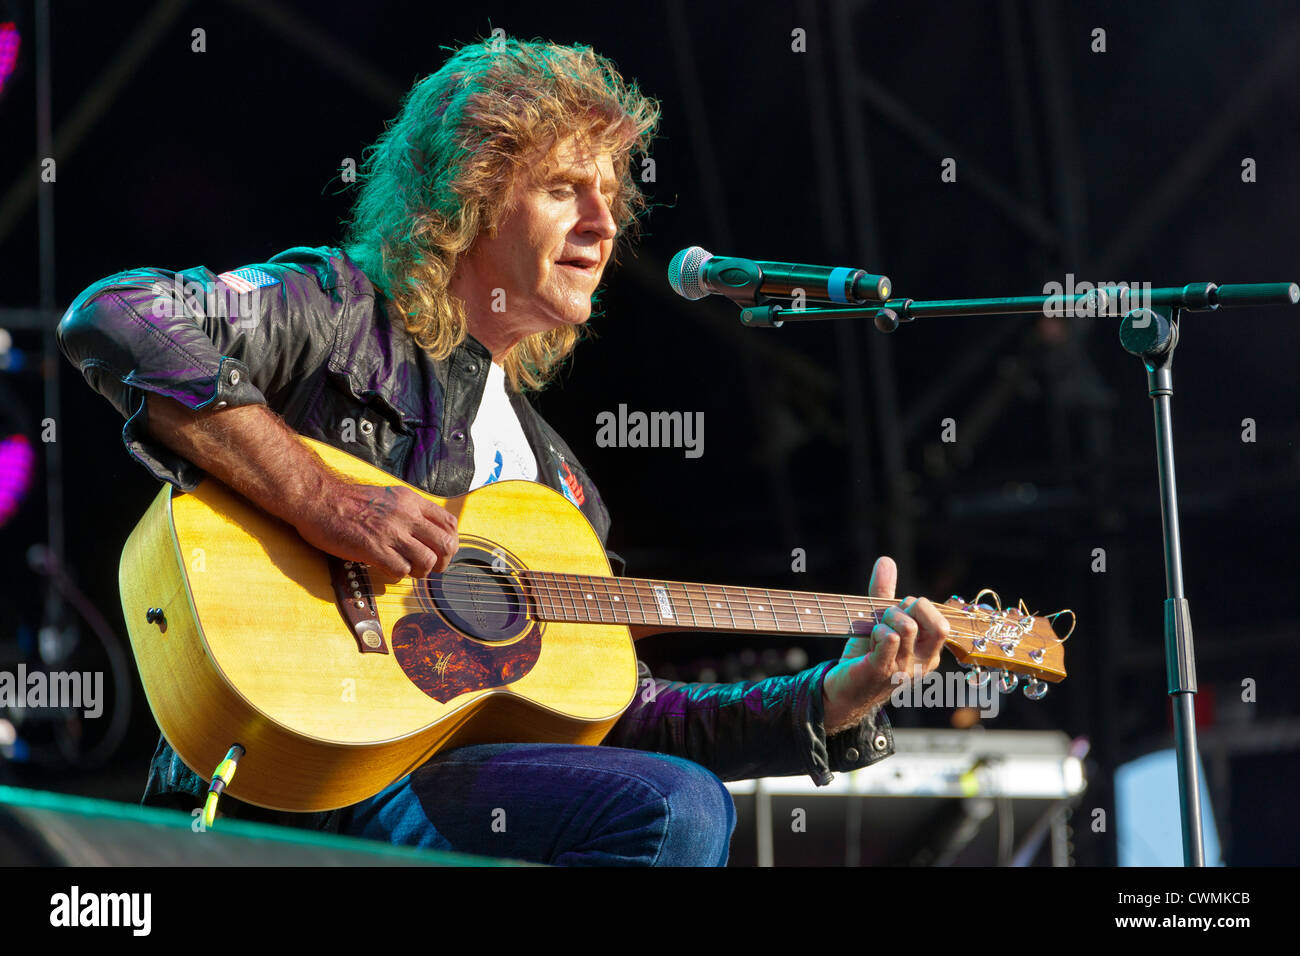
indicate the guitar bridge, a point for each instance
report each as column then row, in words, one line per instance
column 356, row 602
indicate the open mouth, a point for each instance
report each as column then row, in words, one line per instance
column 587, row 268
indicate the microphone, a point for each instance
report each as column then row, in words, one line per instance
column 695, row 273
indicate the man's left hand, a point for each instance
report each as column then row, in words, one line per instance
column 907, row 639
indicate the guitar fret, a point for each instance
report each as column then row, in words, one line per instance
column 713, row 602
column 540, row 594
column 681, row 606
column 801, row 608
column 638, row 593
column 566, row 598
column 594, row 612
column 557, row 599
column 644, row 613
column 767, row 609
column 696, row 599
column 632, row 597
column 788, row 611
column 557, row 596
column 721, row 603
column 700, row 603
column 781, row 619
column 822, row 614
column 553, row 597
column 580, row 591
column 582, row 588
column 746, row 607
column 612, row 606
column 702, row 598
column 737, row 600
column 586, row 597
column 599, row 603
column 700, row 606
column 864, row 614
column 847, row 627
column 629, row 593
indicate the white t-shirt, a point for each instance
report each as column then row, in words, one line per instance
column 501, row 451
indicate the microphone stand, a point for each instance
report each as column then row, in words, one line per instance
column 1149, row 332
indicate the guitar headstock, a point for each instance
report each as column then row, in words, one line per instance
column 1007, row 643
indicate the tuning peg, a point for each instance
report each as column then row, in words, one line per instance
column 978, row 677
column 1035, row 689
column 1008, row 682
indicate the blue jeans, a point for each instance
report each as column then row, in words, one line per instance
column 556, row 803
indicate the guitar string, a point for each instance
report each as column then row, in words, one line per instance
column 757, row 627
column 956, row 632
column 555, row 585
column 554, row 588
column 781, row 609
column 550, row 588
column 1039, row 669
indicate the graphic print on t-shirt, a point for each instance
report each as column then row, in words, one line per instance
column 501, row 450
column 497, row 464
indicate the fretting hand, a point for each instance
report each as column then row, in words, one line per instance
column 906, row 639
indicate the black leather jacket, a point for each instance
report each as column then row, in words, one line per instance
column 322, row 345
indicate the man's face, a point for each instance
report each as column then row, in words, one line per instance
column 552, row 245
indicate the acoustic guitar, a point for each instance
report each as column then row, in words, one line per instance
column 337, row 679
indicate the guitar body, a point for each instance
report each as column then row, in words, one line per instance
column 252, row 647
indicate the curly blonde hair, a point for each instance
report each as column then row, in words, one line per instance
column 441, row 173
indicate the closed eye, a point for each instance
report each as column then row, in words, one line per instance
column 567, row 192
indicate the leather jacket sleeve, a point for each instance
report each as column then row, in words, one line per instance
column 192, row 337
column 767, row 728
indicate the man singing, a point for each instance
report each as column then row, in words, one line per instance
column 488, row 213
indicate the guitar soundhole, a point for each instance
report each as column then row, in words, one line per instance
column 479, row 600
column 479, row 593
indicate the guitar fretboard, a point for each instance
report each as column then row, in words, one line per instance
column 715, row 607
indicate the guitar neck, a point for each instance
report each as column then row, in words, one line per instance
column 1012, row 639
column 666, row 605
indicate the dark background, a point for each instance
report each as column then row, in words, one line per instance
column 1117, row 166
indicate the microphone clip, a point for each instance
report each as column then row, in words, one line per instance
column 762, row 316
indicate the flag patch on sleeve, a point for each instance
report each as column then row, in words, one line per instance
column 247, row 279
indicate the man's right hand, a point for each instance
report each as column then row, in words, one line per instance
column 389, row 528
column 254, row 452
